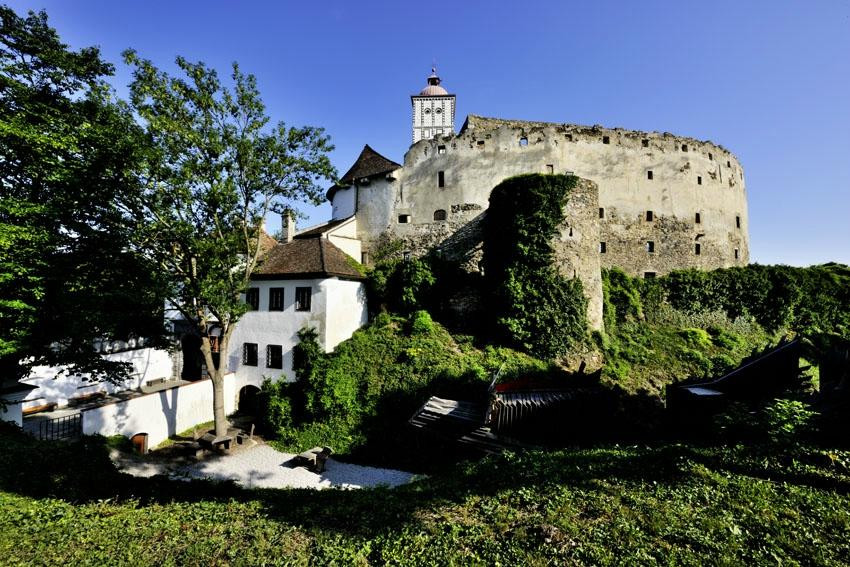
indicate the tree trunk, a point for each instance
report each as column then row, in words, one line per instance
column 217, row 377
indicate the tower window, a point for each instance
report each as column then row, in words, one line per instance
column 606, row 140
column 737, row 222
column 684, row 147
column 710, row 157
column 550, row 169
column 697, row 218
column 644, row 143
column 650, row 246
column 403, row 219
column 728, row 163
column 602, row 248
column 648, row 275
column 523, row 141
column 699, row 180
column 426, row 133
column 427, row 111
column 441, row 149
column 696, row 249
column 480, row 144
column 649, row 216
column 439, row 111
column 649, row 174
column 569, row 137
column 440, row 215
column 601, row 213
column 736, row 254
column 441, row 179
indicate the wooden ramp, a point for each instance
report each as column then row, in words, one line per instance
column 462, row 422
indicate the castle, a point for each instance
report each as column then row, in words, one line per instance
column 647, row 202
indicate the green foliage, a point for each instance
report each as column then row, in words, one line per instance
column 697, row 338
column 782, row 422
column 421, row 323
column 402, row 286
column 788, row 420
column 671, row 504
column 535, row 307
column 68, row 151
column 360, row 396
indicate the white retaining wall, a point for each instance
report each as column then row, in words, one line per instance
column 148, row 364
column 161, row 414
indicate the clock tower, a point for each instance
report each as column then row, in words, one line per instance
column 433, row 110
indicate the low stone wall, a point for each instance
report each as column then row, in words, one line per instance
column 160, row 414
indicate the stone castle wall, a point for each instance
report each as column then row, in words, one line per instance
column 673, row 192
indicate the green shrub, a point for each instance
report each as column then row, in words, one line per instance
column 786, row 421
column 421, row 323
column 696, row 338
column 401, row 286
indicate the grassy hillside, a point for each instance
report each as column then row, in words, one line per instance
column 64, row 504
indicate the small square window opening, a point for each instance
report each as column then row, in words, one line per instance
column 274, row 356
column 249, row 354
column 303, row 298
column 602, row 248
column 650, row 246
column 276, row 299
column 252, row 298
column 606, row 140
column 403, row 219
column 649, row 174
column 649, row 216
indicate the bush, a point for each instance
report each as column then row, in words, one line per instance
column 696, row 338
column 401, row 286
column 421, row 323
column 786, row 421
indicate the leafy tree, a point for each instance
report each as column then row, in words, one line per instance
column 216, row 170
column 67, row 148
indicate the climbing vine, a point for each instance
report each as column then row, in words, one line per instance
column 534, row 305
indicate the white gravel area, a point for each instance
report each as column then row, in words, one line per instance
column 265, row 467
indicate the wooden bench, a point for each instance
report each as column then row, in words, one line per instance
column 314, row 459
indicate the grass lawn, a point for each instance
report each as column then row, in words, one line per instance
column 668, row 504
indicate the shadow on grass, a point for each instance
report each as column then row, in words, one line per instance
column 82, row 472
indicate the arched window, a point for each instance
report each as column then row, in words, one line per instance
column 440, row 214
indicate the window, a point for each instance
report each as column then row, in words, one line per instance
column 274, row 356
column 403, row 219
column 737, row 222
column 649, row 174
column 439, row 111
column 426, row 133
column 684, row 147
column 439, row 215
column 364, row 258
column 697, row 218
column 550, row 169
column 569, row 137
column 710, row 157
column 699, row 180
column 252, row 298
column 606, row 140
column 649, row 216
column 736, row 253
column 644, row 143
column 650, row 246
column 602, row 248
column 523, row 141
column 427, row 111
column 303, row 295
column 441, row 179
column 276, row 299
column 249, row 354
column 441, row 149
column 696, row 248
column 438, row 131
column 480, row 144
column 648, row 275
column 601, row 213
column 728, row 163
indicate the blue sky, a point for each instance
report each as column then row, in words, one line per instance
column 768, row 80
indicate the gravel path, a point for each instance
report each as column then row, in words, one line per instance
column 264, row 467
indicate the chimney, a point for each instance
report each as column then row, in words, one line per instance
column 287, row 223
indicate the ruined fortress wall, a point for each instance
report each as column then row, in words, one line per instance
column 688, row 177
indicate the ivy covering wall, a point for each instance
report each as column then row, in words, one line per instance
column 534, row 306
